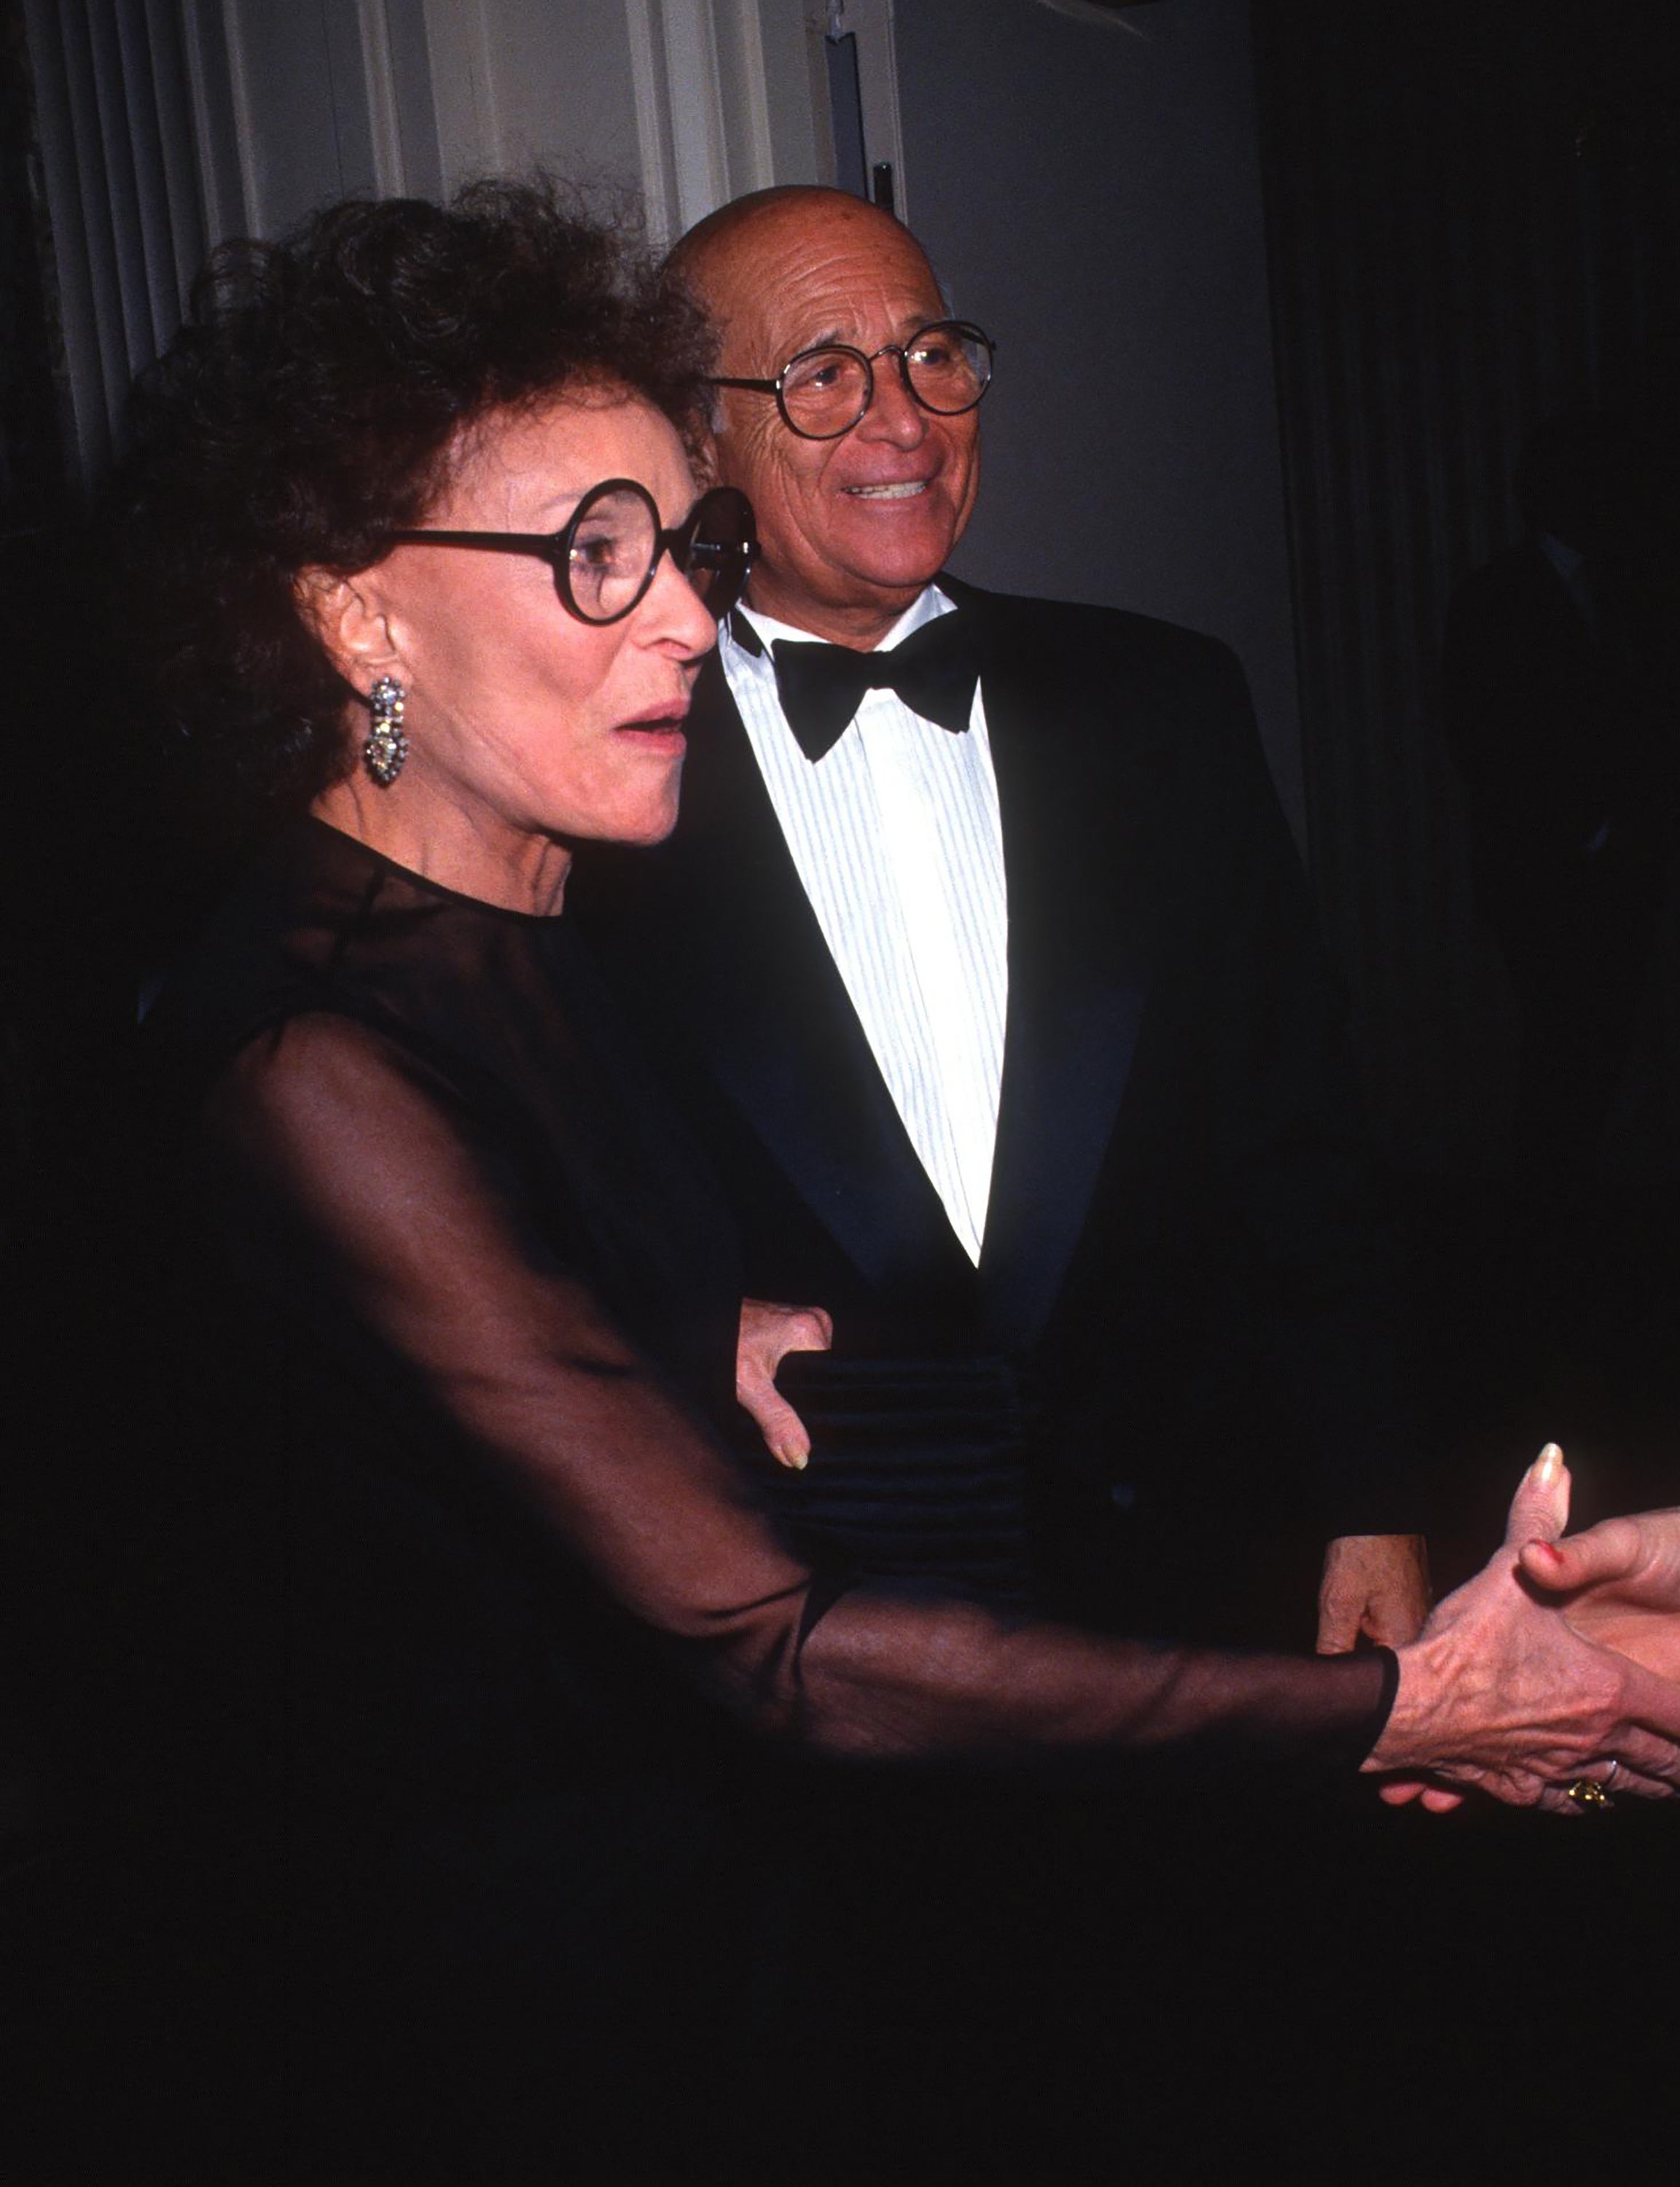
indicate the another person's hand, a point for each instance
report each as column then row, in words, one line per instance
column 1619, row 1584
column 1501, row 1693
column 1377, row 1585
column 767, row 1334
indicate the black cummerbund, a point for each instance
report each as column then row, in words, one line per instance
column 918, row 1470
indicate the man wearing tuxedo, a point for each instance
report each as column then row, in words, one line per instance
column 983, row 960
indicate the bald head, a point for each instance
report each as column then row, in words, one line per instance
column 710, row 254
column 851, row 529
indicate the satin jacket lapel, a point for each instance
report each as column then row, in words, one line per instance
column 775, row 1017
column 1076, row 786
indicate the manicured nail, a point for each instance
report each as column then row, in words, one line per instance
column 1548, row 1465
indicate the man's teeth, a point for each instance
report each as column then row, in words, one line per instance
column 900, row 492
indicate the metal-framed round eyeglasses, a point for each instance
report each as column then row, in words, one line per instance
column 604, row 560
column 823, row 392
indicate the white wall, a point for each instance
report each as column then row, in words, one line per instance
column 168, row 124
column 1093, row 197
column 682, row 104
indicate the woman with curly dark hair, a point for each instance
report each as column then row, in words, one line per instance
column 476, row 1591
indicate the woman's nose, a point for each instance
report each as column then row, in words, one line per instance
column 676, row 612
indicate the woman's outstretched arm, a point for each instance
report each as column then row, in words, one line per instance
column 415, row 1230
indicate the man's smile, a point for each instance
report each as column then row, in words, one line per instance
column 900, row 491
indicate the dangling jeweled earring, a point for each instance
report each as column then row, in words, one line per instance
column 386, row 747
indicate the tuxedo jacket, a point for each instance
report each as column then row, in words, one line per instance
column 1182, row 1206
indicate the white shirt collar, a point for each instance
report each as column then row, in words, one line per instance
column 928, row 605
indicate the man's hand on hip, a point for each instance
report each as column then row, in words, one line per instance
column 1375, row 1584
column 768, row 1332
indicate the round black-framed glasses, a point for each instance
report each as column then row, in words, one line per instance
column 945, row 366
column 604, row 561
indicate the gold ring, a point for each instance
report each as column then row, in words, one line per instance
column 1585, row 1793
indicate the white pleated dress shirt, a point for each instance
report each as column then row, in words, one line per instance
column 895, row 837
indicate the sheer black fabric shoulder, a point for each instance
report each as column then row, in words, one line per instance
column 505, row 1299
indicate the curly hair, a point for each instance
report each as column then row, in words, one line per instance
column 314, row 400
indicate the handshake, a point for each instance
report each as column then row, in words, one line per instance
column 1552, row 1678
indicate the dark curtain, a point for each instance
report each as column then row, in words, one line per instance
column 1473, row 216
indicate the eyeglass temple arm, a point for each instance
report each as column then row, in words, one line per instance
column 498, row 542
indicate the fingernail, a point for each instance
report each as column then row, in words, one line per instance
column 794, row 1458
column 1548, row 1465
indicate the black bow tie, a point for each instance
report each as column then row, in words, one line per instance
column 822, row 686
